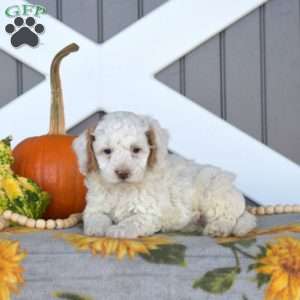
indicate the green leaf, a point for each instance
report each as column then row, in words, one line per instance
column 32, row 196
column 217, row 281
column 70, row 296
column 263, row 251
column 173, row 254
column 246, row 243
column 253, row 266
column 262, row 279
column 7, row 140
column 243, row 243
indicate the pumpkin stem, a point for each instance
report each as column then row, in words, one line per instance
column 57, row 115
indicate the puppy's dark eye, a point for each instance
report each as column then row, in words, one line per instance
column 107, row 151
column 136, row 150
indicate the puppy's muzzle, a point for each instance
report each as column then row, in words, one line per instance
column 122, row 174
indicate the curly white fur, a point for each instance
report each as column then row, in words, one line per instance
column 169, row 193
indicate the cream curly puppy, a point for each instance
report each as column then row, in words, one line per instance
column 136, row 188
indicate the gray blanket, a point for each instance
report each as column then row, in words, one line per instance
column 68, row 265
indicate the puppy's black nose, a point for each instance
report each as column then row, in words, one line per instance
column 122, row 174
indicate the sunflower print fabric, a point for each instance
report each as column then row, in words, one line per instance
column 11, row 270
column 265, row 264
column 280, row 263
column 118, row 247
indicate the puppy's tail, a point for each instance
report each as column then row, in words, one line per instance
column 274, row 209
column 69, row 222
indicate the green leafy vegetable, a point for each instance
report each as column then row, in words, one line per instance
column 19, row 194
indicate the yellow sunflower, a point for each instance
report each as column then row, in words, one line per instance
column 282, row 264
column 119, row 247
column 11, row 272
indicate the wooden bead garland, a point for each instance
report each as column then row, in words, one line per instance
column 274, row 209
column 8, row 215
column 74, row 219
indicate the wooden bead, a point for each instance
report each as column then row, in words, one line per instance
column 70, row 222
column 296, row 208
column 50, row 224
column 40, row 224
column 270, row 210
column 288, row 209
column 78, row 217
column 67, row 223
column 22, row 220
column 3, row 223
column 14, row 217
column 30, row 223
column 59, row 223
column 7, row 214
column 261, row 210
column 73, row 221
column 278, row 209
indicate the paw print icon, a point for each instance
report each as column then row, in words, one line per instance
column 24, row 31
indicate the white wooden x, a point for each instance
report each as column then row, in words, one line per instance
column 119, row 75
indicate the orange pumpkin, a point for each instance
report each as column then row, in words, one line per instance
column 49, row 159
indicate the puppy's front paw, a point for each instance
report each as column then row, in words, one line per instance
column 217, row 229
column 96, row 225
column 245, row 223
column 122, row 231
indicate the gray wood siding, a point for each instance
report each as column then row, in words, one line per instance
column 283, row 76
column 248, row 75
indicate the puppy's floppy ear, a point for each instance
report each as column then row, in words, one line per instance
column 83, row 147
column 158, row 138
column 152, row 158
column 92, row 164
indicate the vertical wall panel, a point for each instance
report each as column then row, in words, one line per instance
column 203, row 75
column 170, row 76
column 8, row 78
column 223, row 86
column 150, row 5
column 118, row 14
column 263, row 76
column 283, row 78
column 243, row 75
column 81, row 15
